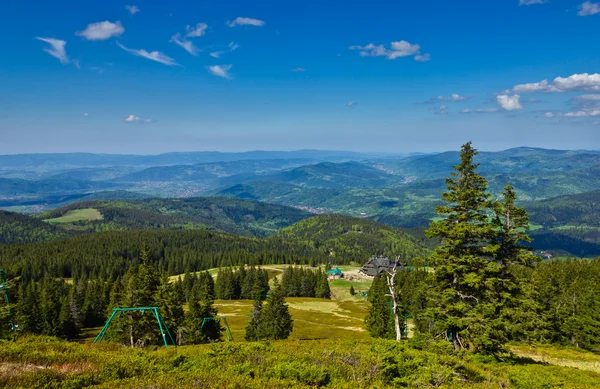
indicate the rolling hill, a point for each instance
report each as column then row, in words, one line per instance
column 18, row 228
column 242, row 217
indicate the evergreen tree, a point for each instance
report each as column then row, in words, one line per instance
column 170, row 304
column 380, row 320
column 253, row 328
column 462, row 260
column 352, row 292
column 275, row 319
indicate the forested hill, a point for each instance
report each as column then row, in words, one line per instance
column 18, row 228
column 344, row 237
column 111, row 253
column 242, row 217
column 574, row 210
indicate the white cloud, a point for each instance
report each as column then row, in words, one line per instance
column 132, row 9
column 85, row 114
column 454, row 97
column 199, row 30
column 132, row 119
column 76, row 63
column 137, row 119
column 509, row 103
column 352, row 104
column 549, row 114
column 480, row 110
column 397, row 49
column 101, row 31
column 298, row 70
column 588, row 8
column 231, row 47
column 590, row 97
column 220, row 71
column 153, row 55
column 187, row 45
column 575, row 82
column 531, row 2
column 56, row 49
column 239, row 21
column 584, row 113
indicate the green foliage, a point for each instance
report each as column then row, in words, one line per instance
column 273, row 321
column 301, row 282
column 17, row 228
column 243, row 217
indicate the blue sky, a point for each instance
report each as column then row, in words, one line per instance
column 156, row 76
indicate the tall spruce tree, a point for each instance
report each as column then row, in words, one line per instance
column 462, row 260
column 380, row 320
column 275, row 318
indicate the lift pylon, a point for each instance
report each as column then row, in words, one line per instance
column 162, row 326
column 4, row 288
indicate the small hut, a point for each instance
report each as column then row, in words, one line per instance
column 335, row 274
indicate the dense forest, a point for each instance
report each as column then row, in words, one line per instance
column 18, row 228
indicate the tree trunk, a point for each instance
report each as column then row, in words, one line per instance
column 390, row 281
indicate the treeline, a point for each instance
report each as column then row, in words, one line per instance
column 109, row 255
column 300, row 282
column 248, row 284
column 55, row 307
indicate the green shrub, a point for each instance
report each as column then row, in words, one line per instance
column 303, row 372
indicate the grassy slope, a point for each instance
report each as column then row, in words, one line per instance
column 38, row 362
column 77, row 215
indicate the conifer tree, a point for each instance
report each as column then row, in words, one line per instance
column 380, row 320
column 253, row 328
column 462, row 260
column 275, row 319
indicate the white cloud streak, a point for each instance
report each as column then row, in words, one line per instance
column 480, row 110
column 298, row 70
column 199, row 30
column 220, row 71
column 152, row 55
column 240, row 21
column 56, row 49
column 588, row 8
column 531, row 2
column 186, row 44
column 231, row 47
column 101, row 31
column 132, row 9
column 396, row 50
column 137, row 119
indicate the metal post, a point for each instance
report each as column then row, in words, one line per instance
column 100, row 336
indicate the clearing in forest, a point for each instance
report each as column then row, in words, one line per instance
column 77, row 215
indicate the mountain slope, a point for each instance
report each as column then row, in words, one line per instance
column 236, row 216
column 18, row 228
column 344, row 237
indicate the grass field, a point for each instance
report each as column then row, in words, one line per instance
column 77, row 215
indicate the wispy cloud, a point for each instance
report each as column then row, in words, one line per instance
column 136, row 119
column 298, row 70
column 199, row 30
column 132, row 9
column 441, row 110
column 588, row 8
column 186, row 44
column 509, row 103
column 454, row 97
column 220, row 71
column 479, row 110
column 396, row 50
column 152, row 55
column 240, row 21
column 76, row 63
column 590, row 97
column 231, row 47
column 100, row 31
column 531, row 2
column 575, row 82
column 56, row 49
column 352, row 104
column 85, row 114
